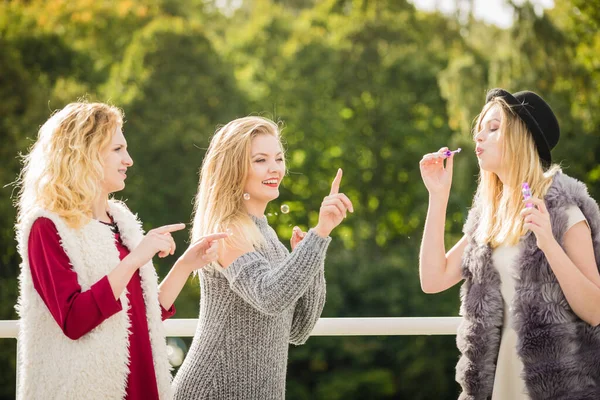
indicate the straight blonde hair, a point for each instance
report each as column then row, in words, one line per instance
column 500, row 202
column 220, row 200
column 63, row 171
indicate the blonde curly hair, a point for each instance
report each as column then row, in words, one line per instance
column 63, row 171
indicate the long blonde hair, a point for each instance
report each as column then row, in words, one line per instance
column 500, row 203
column 220, row 199
column 63, row 171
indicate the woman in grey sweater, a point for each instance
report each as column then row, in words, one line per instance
column 258, row 297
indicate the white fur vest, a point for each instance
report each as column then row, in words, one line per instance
column 95, row 366
column 560, row 352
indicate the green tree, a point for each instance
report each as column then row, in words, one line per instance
column 175, row 90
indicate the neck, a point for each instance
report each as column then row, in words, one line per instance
column 502, row 177
column 100, row 208
column 255, row 207
column 508, row 191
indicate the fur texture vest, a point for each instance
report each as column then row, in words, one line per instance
column 559, row 351
column 95, row 366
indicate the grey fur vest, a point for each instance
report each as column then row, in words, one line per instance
column 560, row 352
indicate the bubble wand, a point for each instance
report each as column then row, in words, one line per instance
column 526, row 190
column 448, row 153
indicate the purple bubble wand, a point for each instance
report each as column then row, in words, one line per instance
column 526, row 190
column 448, row 153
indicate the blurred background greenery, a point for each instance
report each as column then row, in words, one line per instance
column 365, row 85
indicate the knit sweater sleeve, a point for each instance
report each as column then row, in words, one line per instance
column 308, row 310
column 272, row 289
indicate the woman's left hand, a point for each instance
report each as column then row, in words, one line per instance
column 537, row 220
column 297, row 236
column 202, row 252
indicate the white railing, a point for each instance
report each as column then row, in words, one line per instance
column 182, row 327
column 351, row 326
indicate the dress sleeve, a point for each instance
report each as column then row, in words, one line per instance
column 76, row 312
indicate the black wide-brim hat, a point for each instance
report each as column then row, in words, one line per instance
column 537, row 116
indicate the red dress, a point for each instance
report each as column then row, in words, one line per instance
column 78, row 312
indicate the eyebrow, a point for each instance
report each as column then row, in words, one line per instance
column 265, row 154
column 488, row 122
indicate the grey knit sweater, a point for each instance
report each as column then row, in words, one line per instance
column 249, row 313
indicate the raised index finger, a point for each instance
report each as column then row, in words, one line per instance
column 169, row 228
column 335, row 185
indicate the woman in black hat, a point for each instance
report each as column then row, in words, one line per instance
column 532, row 287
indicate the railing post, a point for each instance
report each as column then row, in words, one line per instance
column 17, row 365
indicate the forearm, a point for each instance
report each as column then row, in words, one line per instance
column 432, row 256
column 86, row 310
column 172, row 285
column 308, row 310
column 273, row 288
column 121, row 275
column 581, row 293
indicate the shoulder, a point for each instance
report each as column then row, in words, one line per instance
column 43, row 225
column 566, row 190
column 44, row 234
column 568, row 196
column 40, row 222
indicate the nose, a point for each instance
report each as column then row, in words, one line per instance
column 128, row 161
column 479, row 136
column 273, row 167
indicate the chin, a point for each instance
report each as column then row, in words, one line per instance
column 117, row 188
column 267, row 197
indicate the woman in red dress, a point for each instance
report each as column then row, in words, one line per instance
column 90, row 307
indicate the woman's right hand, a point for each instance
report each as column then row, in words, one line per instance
column 158, row 240
column 437, row 178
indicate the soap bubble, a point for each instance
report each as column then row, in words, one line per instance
column 246, row 196
column 285, row 208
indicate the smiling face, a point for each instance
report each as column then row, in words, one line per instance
column 489, row 140
column 267, row 168
column 115, row 161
